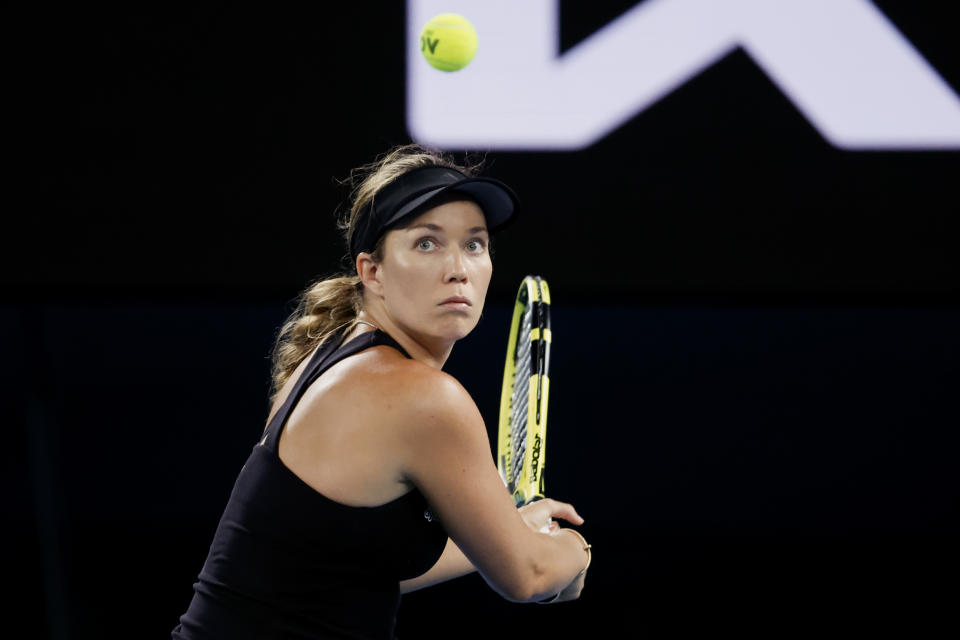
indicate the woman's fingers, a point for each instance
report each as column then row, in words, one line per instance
column 563, row 510
column 539, row 515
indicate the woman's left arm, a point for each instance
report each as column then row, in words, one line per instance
column 452, row 564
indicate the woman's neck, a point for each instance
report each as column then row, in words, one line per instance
column 430, row 351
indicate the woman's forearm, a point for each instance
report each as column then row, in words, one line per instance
column 452, row 564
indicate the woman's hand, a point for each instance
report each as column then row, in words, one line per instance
column 571, row 591
column 539, row 515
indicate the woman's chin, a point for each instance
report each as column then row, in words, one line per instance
column 457, row 328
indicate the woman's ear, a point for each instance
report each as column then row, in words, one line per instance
column 369, row 272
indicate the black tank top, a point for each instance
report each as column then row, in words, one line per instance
column 287, row 562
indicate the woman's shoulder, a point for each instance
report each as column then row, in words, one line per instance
column 388, row 368
column 404, row 385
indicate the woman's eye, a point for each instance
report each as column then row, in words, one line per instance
column 475, row 246
column 425, row 244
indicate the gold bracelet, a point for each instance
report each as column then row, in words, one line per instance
column 586, row 547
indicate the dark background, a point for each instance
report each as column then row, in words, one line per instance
column 756, row 356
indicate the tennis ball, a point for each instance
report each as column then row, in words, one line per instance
column 448, row 42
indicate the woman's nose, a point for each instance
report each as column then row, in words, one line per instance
column 456, row 269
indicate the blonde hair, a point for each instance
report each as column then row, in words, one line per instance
column 332, row 304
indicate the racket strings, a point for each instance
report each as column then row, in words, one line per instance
column 520, row 399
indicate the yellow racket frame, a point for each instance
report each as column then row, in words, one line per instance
column 529, row 485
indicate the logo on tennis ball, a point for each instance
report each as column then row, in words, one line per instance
column 448, row 42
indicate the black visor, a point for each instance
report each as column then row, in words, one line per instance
column 413, row 191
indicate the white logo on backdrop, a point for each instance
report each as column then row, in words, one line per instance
column 842, row 63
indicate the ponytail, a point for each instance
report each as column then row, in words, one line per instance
column 322, row 310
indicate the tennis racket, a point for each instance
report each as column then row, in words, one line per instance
column 522, row 431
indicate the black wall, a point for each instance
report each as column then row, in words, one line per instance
column 756, row 352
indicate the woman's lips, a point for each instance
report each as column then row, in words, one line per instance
column 457, row 302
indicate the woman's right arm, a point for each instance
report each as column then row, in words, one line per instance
column 444, row 451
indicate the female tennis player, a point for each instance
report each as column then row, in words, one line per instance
column 374, row 476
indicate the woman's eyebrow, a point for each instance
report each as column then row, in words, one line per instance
column 436, row 227
column 425, row 225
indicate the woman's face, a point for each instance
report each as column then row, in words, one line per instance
column 435, row 271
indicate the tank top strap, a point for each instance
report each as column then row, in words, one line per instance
column 325, row 357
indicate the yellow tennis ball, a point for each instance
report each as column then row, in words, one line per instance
column 448, row 42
